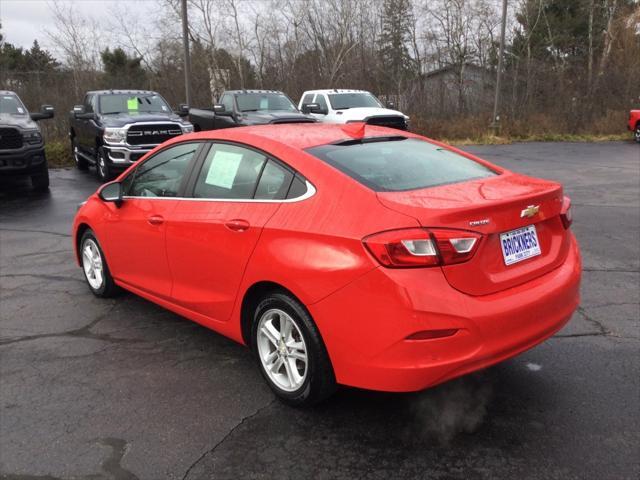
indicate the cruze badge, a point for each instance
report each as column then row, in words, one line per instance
column 530, row 211
column 475, row 223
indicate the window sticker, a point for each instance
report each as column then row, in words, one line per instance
column 132, row 104
column 20, row 110
column 264, row 103
column 164, row 108
column 223, row 169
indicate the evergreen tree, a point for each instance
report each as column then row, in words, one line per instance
column 122, row 71
column 396, row 62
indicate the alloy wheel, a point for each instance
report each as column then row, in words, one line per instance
column 282, row 350
column 92, row 264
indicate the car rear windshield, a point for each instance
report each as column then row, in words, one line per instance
column 399, row 164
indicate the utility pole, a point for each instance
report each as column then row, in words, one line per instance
column 187, row 57
column 495, row 124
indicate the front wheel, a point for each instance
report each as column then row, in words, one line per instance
column 290, row 352
column 81, row 162
column 40, row 180
column 637, row 133
column 103, row 170
column 94, row 265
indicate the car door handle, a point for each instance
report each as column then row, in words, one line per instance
column 155, row 220
column 237, row 225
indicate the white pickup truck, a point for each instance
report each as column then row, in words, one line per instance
column 345, row 106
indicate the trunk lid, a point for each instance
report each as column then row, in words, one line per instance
column 491, row 206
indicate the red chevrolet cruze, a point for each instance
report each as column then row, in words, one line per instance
column 351, row 255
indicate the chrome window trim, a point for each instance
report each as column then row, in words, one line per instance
column 311, row 191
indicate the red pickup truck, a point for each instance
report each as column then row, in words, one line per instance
column 634, row 123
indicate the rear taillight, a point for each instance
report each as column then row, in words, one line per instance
column 565, row 213
column 419, row 247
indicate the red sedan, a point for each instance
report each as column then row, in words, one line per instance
column 351, row 255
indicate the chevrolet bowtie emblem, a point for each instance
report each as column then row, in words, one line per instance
column 530, row 211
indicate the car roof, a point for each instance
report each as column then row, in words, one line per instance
column 235, row 92
column 120, row 92
column 8, row 92
column 336, row 90
column 297, row 135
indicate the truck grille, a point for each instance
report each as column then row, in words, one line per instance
column 10, row 138
column 152, row 134
column 391, row 121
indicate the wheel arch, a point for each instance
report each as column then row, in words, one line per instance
column 82, row 227
column 250, row 300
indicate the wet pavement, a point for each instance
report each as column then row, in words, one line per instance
column 122, row 389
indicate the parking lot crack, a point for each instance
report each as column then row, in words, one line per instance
column 46, row 232
column 82, row 332
column 223, row 439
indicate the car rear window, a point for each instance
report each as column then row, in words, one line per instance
column 399, row 164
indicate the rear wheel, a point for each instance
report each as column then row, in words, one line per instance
column 94, row 265
column 81, row 162
column 102, row 166
column 637, row 133
column 290, row 352
column 40, row 179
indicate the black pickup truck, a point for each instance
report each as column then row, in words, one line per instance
column 112, row 129
column 21, row 142
column 238, row 108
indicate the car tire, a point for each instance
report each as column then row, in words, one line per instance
column 103, row 170
column 81, row 162
column 95, row 268
column 637, row 133
column 295, row 381
column 40, row 180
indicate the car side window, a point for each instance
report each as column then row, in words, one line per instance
column 162, row 174
column 274, row 182
column 308, row 98
column 88, row 104
column 322, row 102
column 229, row 171
column 227, row 101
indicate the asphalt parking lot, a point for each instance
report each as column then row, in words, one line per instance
column 121, row 389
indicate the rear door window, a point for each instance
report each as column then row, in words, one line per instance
column 274, row 182
column 398, row 164
column 230, row 172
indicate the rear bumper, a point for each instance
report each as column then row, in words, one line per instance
column 21, row 162
column 366, row 324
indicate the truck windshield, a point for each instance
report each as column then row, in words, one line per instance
column 397, row 163
column 253, row 102
column 343, row 101
column 12, row 105
column 132, row 103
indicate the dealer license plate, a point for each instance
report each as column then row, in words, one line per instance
column 520, row 244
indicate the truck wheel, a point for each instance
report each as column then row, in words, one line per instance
column 81, row 162
column 40, row 180
column 102, row 166
column 637, row 133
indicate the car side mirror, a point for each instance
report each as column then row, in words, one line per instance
column 183, row 110
column 313, row 108
column 111, row 192
column 391, row 105
column 219, row 109
column 78, row 110
column 46, row 111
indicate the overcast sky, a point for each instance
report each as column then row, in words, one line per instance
column 24, row 21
